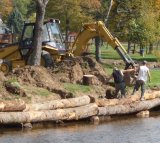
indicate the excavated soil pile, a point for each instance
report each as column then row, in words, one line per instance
column 73, row 70
column 53, row 79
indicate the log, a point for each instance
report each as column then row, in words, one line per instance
column 129, row 108
column 108, row 102
column 143, row 114
column 11, row 106
column 88, row 79
column 49, row 115
column 56, row 104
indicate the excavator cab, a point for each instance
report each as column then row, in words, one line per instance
column 52, row 39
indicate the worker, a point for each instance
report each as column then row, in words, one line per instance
column 118, row 76
column 143, row 76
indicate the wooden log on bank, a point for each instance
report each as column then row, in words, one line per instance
column 56, row 104
column 129, row 100
column 14, row 106
column 133, row 107
column 49, row 115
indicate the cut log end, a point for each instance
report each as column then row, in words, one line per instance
column 88, row 79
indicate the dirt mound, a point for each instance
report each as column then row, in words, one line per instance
column 35, row 75
column 38, row 76
column 73, row 70
column 67, row 71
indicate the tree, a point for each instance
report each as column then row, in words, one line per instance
column 6, row 7
column 15, row 21
column 22, row 6
column 136, row 21
column 102, row 13
column 108, row 13
column 37, row 40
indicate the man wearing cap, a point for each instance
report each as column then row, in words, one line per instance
column 143, row 76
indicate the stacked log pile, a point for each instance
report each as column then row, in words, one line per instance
column 73, row 108
column 65, row 109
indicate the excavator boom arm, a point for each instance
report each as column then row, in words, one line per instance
column 91, row 30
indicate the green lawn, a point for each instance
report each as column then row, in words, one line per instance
column 155, row 78
column 109, row 53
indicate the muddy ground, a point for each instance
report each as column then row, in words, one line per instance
column 38, row 84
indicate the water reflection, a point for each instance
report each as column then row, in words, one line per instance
column 134, row 130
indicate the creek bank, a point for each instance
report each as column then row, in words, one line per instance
column 77, row 108
column 37, row 94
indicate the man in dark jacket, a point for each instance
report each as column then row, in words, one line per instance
column 118, row 76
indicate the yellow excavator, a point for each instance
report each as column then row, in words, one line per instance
column 91, row 30
column 53, row 46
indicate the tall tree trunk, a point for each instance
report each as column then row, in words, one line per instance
column 129, row 46
column 97, row 45
column 37, row 40
column 97, row 39
column 134, row 48
column 108, row 13
column 150, row 48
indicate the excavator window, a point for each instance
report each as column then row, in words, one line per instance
column 52, row 35
column 27, row 39
column 45, row 35
column 28, row 32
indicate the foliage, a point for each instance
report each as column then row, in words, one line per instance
column 22, row 6
column 5, row 8
column 70, row 12
column 15, row 21
column 31, row 13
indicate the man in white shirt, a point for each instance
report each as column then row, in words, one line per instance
column 143, row 75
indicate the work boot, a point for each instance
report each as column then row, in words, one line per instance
column 142, row 98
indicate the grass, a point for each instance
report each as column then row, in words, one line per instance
column 109, row 53
column 155, row 78
column 75, row 88
column 37, row 91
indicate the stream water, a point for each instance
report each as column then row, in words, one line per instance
column 125, row 130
